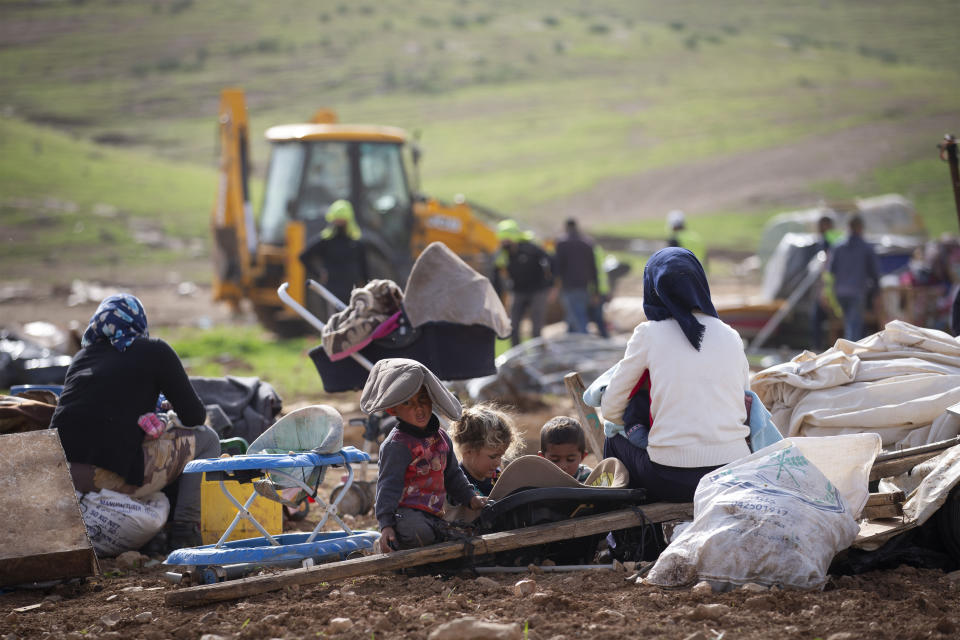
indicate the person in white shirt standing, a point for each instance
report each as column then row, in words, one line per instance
column 697, row 374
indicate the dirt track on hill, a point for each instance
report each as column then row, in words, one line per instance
column 768, row 178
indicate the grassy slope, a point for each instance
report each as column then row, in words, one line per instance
column 517, row 104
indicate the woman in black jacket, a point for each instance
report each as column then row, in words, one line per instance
column 107, row 418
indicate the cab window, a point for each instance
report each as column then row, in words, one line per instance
column 326, row 180
column 384, row 195
column 283, row 180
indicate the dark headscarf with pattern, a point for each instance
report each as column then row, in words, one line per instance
column 674, row 284
column 119, row 319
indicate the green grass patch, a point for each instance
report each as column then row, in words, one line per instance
column 719, row 231
column 38, row 162
column 248, row 351
column 518, row 105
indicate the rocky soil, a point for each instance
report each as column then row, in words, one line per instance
column 128, row 603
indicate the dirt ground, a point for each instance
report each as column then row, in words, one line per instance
column 128, row 603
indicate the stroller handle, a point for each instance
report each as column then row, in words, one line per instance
column 314, row 320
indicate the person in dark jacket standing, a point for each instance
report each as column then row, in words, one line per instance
column 821, row 308
column 576, row 268
column 855, row 270
column 336, row 257
column 529, row 276
column 106, row 415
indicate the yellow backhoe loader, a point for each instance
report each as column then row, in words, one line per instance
column 311, row 166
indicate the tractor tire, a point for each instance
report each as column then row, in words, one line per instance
column 271, row 319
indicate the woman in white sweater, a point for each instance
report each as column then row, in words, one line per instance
column 697, row 374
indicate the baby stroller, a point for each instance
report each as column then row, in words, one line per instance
column 448, row 319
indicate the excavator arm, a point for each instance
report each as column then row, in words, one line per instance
column 234, row 231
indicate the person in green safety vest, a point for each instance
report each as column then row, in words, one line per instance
column 525, row 269
column 680, row 236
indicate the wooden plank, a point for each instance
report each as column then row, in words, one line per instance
column 893, row 463
column 589, row 416
column 873, row 512
column 892, row 497
column 480, row 545
column 874, row 533
column 42, row 535
column 889, row 468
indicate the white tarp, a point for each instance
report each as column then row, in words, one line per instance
column 897, row 383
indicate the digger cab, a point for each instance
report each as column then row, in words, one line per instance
column 313, row 165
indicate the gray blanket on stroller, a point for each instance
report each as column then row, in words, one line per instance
column 444, row 288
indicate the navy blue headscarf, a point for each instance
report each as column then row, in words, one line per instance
column 119, row 319
column 674, row 284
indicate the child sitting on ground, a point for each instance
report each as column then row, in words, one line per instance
column 418, row 468
column 562, row 442
column 484, row 434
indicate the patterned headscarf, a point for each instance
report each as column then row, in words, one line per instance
column 119, row 319
column 674, row 284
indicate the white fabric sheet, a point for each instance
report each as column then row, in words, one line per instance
column 897, row 383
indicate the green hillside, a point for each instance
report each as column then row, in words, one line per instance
column 110, row 106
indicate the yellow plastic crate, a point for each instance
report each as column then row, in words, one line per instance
column 217, row 512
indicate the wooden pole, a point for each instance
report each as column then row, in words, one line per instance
column 948, row 152
column 589, row 416
column 480, row 545
column 896, row 462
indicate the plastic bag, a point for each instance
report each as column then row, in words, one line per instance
column 773, row 517
column 117, row 522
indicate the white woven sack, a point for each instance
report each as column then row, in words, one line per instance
column 117, row 522
column 773, row 517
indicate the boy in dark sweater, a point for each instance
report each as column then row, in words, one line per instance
column 418, row 467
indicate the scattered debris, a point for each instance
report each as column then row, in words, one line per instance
column 487, row 583
column 88, row 293
column 525, row 588
column 340, row 624
column 29, row 607
column 111, row 619
column 538, row 366
column 131, row 560
column 709, row 612
column 702, row 588
column 474, row 629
